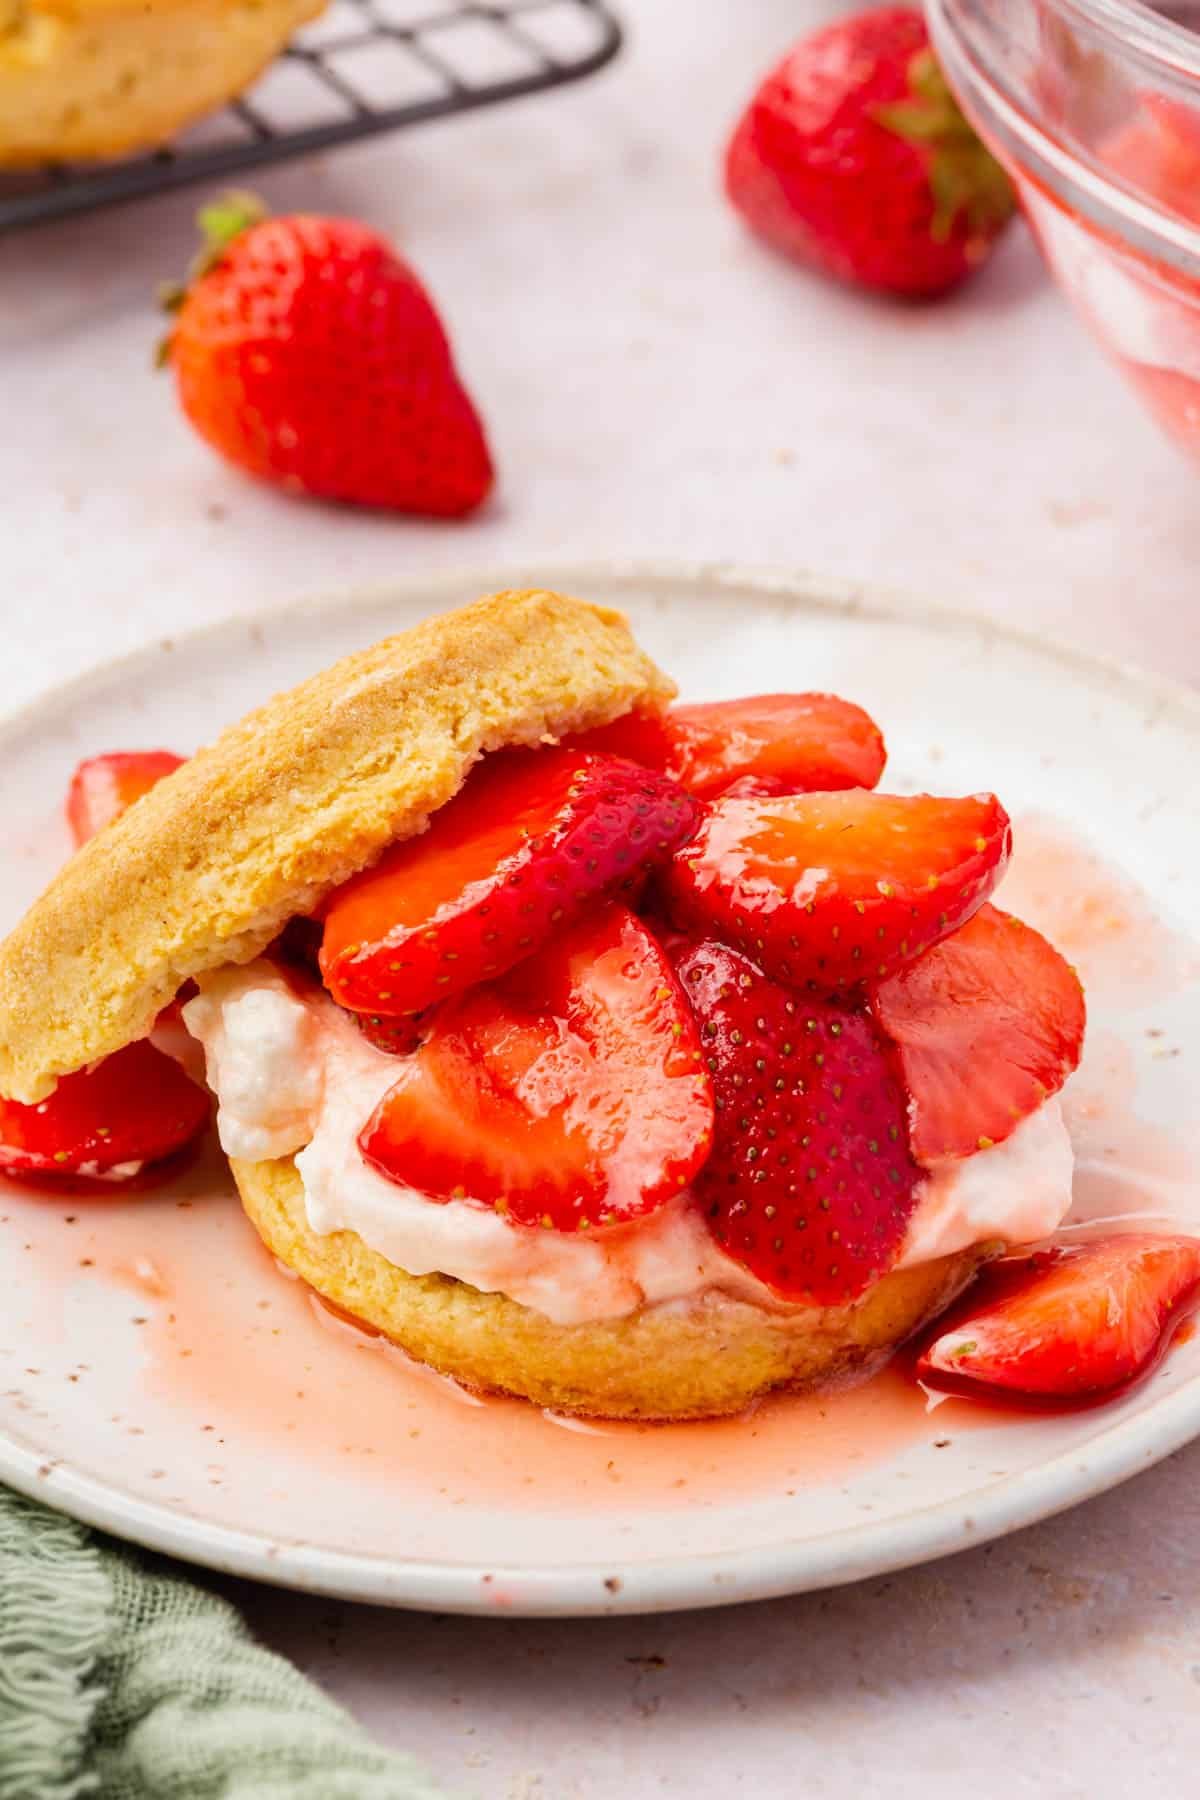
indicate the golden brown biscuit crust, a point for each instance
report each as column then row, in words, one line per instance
column 98, row 78
column 695, row 1362
column 311, row 787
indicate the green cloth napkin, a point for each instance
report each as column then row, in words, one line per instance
column 120, row 1680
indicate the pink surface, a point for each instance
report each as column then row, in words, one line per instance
column 1059, row 1663
column 711, row 402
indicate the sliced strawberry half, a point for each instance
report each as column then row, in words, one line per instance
column 783, row 743
column 829, row 890
column 396, row 1037
column 1068, row 1325
column 571, row 1094
column 810, row 1184
column 136, row 1106
column 103, row 787
column 988, row 1023
column 532, row 838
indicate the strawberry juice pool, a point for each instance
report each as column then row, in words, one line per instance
column 248, row 1364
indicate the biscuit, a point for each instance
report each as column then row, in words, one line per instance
column 283, row 807
column 99, row 78
column 696, row 1361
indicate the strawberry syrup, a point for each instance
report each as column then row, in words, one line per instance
column 1098, row 918
column 228, row 1339
column 230, row 1344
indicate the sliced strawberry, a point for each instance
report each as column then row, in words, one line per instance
column 783, row 743
column 103, row 787
column 1069, row 1324
column 136, row 1106
column 757, row 787
column 396, row 1037
column 988, row 1024
column 532, row 838
column 810, row 1184
column 1156, row 151
column 640, row 737
column 828, row 890
column 570, row 1094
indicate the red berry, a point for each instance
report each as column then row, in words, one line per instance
column 1155, row 149
column 810, row 1184
column 135, row 1106
column 853, row 157
column 569, row 1095
column 103, row 787
column 529, row 842
column 828, row 890
column 770, row 744
column 396, row 1037
column 988, row 1024
column 310, row 355
column 1068, row 1324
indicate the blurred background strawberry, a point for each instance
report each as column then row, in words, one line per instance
column 854, row 157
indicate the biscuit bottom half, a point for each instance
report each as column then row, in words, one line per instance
column 680, row 1361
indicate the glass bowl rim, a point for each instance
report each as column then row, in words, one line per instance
column 1129, row 26
column 1133, row 25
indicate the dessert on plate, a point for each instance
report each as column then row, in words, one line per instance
column 631, row 1057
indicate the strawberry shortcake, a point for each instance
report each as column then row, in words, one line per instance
column 631, row 1057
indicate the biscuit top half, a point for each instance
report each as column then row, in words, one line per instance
column 208, row 866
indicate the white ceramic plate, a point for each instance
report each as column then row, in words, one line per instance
column 159, row 1377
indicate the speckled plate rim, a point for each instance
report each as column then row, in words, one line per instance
column 1132, row 1443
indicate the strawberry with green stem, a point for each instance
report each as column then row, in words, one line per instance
column 853, row 156
column 307, row 353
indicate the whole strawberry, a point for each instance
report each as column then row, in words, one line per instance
column 309, row 354
column 853, row 156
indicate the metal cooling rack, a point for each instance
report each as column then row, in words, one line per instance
column 364, row 66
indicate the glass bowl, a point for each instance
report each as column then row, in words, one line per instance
column 1093, row 106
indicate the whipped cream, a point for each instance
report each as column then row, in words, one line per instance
column 294, row 1075
column 1018, row 1191
column 264, row 1061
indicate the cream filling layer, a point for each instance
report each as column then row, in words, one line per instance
column 294, row 1075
